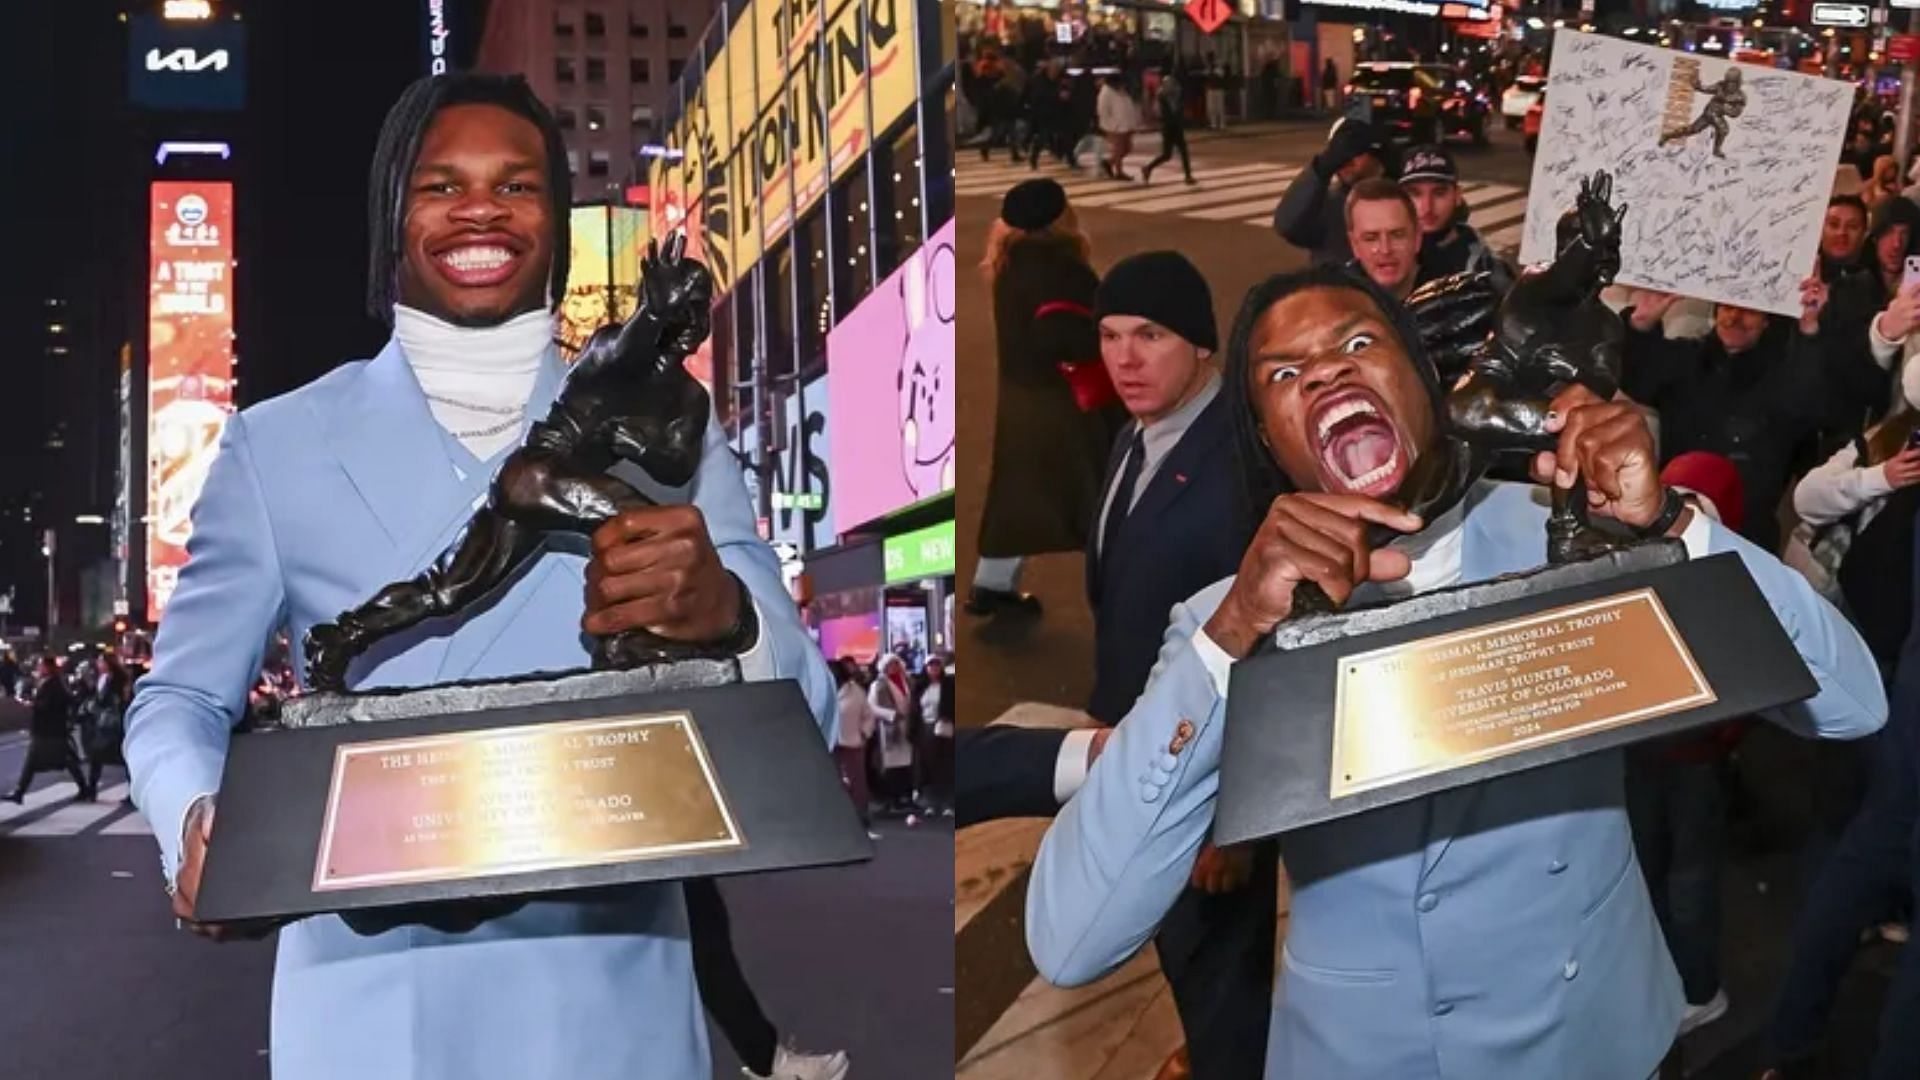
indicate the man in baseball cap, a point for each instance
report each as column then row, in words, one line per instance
column 1448, row 245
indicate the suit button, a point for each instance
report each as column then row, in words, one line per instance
column 1428, row 902
column 1166, row 763
column 1443, row 1008
column 1149, row 792
column 1556, row 866
column 1572, row 969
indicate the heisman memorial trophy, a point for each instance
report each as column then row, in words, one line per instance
column 659, row 763
column 1612, row 642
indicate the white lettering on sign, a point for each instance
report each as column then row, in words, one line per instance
column 437, row 36
column 1839, row 15
column 187, row 60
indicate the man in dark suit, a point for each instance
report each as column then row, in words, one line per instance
column 1172, row 522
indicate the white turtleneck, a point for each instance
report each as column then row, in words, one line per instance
column 477, row 379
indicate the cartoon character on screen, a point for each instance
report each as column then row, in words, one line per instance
column 926, row 373
column 1726, row 102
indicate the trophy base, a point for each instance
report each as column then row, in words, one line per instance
column 1374, row 706
column 525, row 787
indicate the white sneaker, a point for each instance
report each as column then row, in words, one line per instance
column 791, row 1064
column 1699, row 1016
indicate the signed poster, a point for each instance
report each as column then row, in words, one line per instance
column 1725, row 168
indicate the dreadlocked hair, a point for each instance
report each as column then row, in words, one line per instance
column 1262, row 480
column 399, row 149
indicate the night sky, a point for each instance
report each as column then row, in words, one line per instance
column 74, row 162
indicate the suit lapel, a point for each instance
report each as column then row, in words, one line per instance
column 1115, row 455
column 1173, row 477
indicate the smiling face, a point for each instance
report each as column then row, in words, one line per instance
column 478, row 239
column 1154, row 370
column 1339, row 402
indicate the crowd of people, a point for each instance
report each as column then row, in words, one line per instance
column 894, row 745
column 78, row 711
column 1792, row 441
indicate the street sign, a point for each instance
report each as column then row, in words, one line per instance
column 119, row 607
column 1209, row 14
column 1849, row 15
column 1903, row 47
column 799, row 500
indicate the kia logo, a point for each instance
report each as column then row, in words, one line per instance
column 187, row 60
column 192, row 210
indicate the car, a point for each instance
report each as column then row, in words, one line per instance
column 1521, row 98
column 1420, row 102
column 1530, row 126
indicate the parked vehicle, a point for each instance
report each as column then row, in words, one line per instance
column 1522, row 97
column 1421, row 102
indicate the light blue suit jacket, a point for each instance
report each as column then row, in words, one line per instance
column 1497, row 931
column 315, row 501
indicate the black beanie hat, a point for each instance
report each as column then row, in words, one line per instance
column 1162, row 286
column 1033, row 204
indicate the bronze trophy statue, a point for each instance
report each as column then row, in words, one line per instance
column 451, row 804
column 628, row 398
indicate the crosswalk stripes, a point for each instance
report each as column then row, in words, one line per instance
column 1244, row 192
column 52, row 812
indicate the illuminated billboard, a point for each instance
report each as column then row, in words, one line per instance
column 189, row 363
column 891, row 362
column 197, row 64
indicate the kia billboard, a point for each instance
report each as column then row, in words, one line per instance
column 890, row 380
column 189, row 363
column 187, row 64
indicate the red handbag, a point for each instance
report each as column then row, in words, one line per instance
column 1088, row 379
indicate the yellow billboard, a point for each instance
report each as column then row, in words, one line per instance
column 890, row 46
column 602, row 271
column 843, row 68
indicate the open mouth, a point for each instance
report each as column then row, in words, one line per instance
column 477, row 263
column 1357, row 446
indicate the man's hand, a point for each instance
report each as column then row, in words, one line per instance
column 654, row 569
column 1219, row 870
column 1903, row 468
column 1902, row 315
column 1311, row 537
column 1608, row 443
column 1649, row 307
column 1813, row 300
column 186, row 883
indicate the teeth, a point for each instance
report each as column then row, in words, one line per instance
column 477, row 258
column 1352, row 407
column 1374, row 476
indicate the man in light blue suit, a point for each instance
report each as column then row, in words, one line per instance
column 319, row 498
column 1497, row 931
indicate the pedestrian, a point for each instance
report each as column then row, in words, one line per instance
column 1172, row 523
column 1883, row 185
column 1044, row 108
column 1216, row 95
column 1329, row 87
column 892, row 700
column 857, row 725
column 1119, row 117
column 1312, row 213
column 109, row 707
column 1448, row 245
column 1384, row 234
column 934, row 706
column 49, row 733
column 1485, row 929
column 1173, row 132
column 1054, row 414
column 326, row 495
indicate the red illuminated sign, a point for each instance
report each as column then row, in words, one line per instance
column 190, row 363
column 1209, row 14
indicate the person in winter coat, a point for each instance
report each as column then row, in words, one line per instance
column 1448, row 245
column 1312, row 213
column 1055, row 413
column 857, row 725
column 891, row 698
column 51, row 747
column 1119, row 119
column 1855, row 539
column 111, row 689
column 1173, row 132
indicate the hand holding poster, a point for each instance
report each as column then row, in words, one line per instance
column 1725, row 169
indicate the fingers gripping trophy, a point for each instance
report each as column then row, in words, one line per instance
column 627, row 399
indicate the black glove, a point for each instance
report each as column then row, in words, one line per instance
column 1355, row 137
column 1455, row 315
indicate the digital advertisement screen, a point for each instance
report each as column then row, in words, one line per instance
column 187, row 64
column 890, row 361
column 190, row 363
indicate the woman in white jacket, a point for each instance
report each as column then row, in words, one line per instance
column 857, row 724
column 891, row 699
column 1119, row 118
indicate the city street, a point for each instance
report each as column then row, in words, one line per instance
column 1012, row 1025
column 100, row 986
